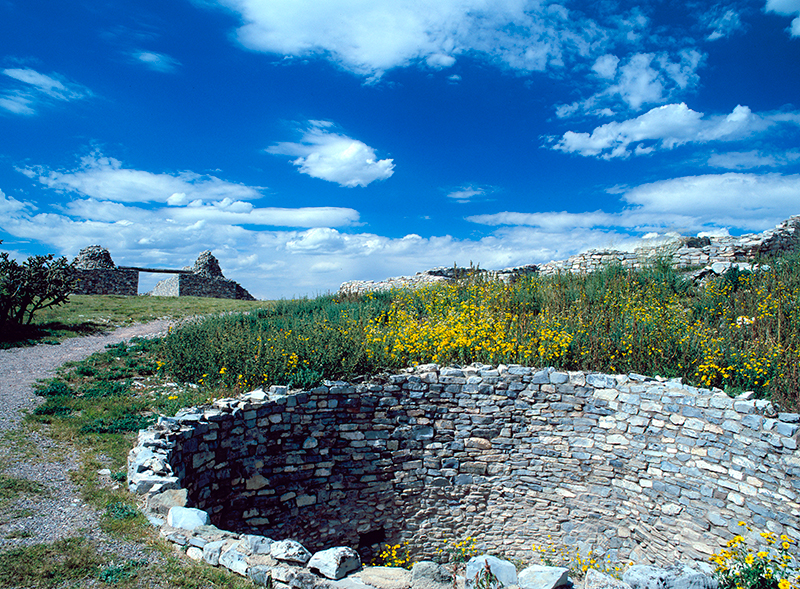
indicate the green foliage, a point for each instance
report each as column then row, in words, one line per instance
column 113, row 574
column 120, row 510
column 49, row 565
column 38, row 283
column 115, row 425
column 773, row 565
column 486, row 579
column 295, row 343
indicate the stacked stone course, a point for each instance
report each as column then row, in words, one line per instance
column 641, row 468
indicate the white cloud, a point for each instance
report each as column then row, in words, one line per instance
column 748, row 160
column 688, row 204
column 469, row 193
column 605, row 66
column 787, row 8
column 334, row 157
column 370, row 38
column 666, row 127
column 35, row 87
column 723, row 24
column 641, row 79
column 104, row 178
column 157, row 61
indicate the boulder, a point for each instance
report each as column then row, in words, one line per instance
column 386, row 577
column 683, row 577
column 505, row 571
column 186, row 518
column 163, row 502
column 641, row 576
column 335, row 563
column 597, row 580
column 427, row 574
column 543, row 577
column 290, row 551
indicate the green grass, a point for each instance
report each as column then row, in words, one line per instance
column 50, row 565
column 13, row 487
column 89, row 314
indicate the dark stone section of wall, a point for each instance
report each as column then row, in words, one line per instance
column 107, row 282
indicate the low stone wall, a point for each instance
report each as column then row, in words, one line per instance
column 644, row 468
column 689, row 252
column 107, row 281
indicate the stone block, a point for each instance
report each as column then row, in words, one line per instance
column 542, row 577
column 335, row 563
column 186, row 518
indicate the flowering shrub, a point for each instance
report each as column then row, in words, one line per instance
column 394, row 555
column 458, row 551
column 771, row 566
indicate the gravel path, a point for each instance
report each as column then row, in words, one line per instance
column 28, row 453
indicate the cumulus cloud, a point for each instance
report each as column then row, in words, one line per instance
column 787, row 8
column 156, row 61
column 370, row 38
column 33, row 87
column 666, row 127
column 640, row 79
column 327, row 155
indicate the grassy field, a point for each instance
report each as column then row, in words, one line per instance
column 87, row 314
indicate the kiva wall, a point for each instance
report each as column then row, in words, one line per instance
column 653, row 470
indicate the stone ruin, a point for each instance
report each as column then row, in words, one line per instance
column 709, row 255
column 97, row 274
column 635, row 468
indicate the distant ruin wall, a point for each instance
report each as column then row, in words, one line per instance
column 98, row 275
column 197, row 285
column 107, row 281
column 682, row 252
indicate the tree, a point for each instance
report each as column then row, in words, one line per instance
column 39, row 282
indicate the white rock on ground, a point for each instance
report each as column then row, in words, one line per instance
column 186, row 518
column 505, row 571
column 543, row 577
column 290, row 551
column 335, row 563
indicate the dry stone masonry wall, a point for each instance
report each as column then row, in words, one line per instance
column 713, row 253
column 647, row 469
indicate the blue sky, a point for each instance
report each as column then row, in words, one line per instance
column 310, row 142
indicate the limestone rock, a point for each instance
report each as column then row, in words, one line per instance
column 335, row 563
column 386, row 577
column 684, row 577
column 427, row 574
column 163, row 502
column 597, row 580
column 642, row 576
column 186, row 518
column 543, row 577
column 233, row 560
column 505, row 571
column 290, row 551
